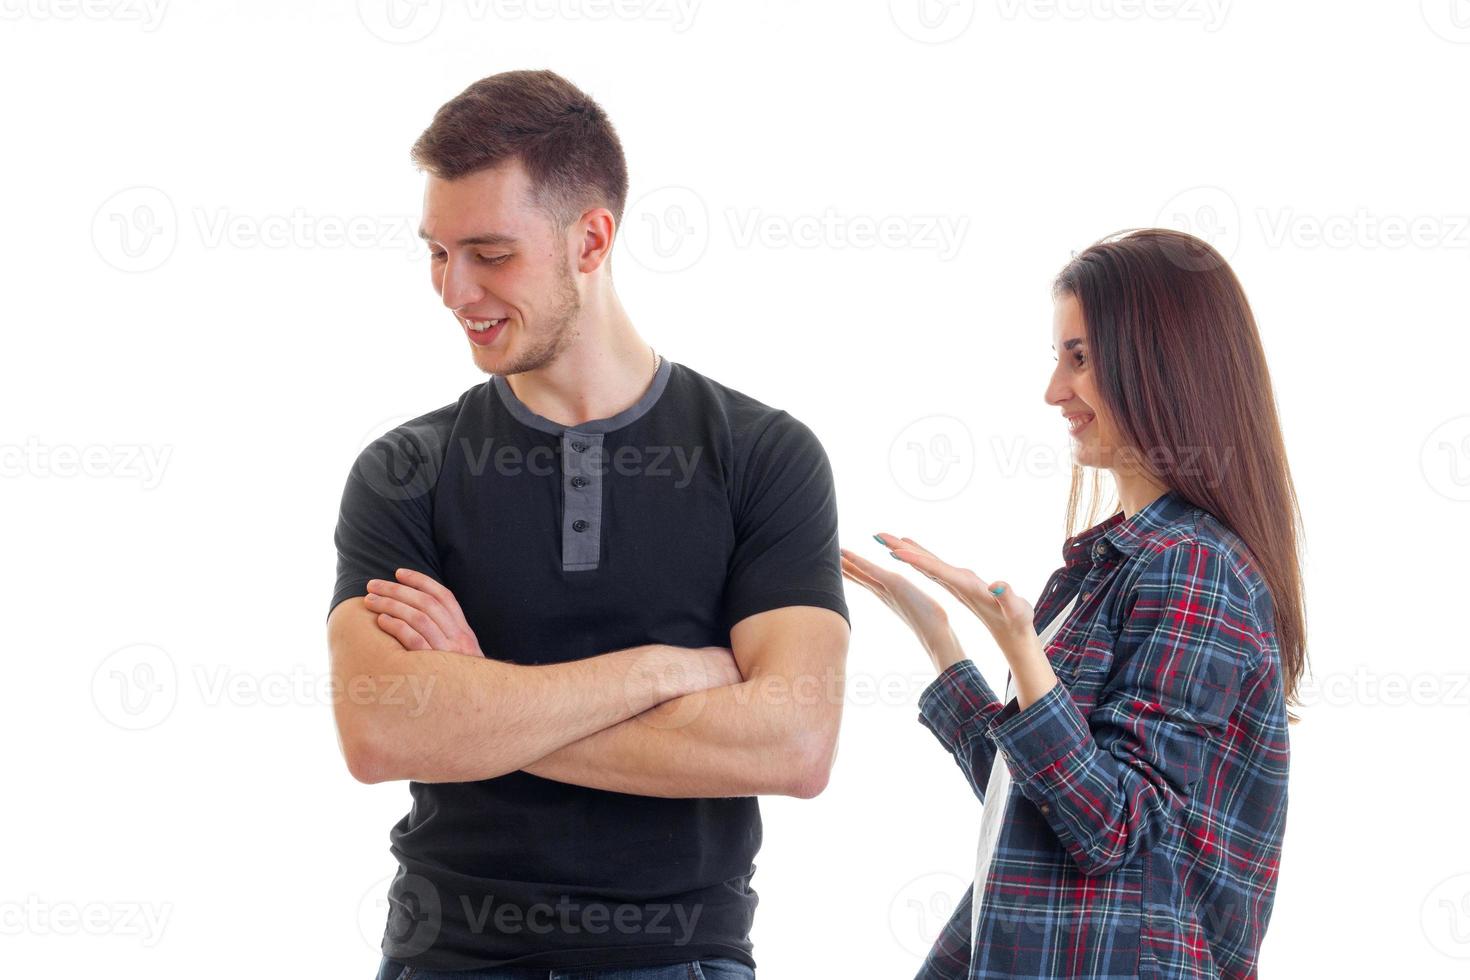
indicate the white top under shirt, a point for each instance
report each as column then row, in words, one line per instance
column 996, row 792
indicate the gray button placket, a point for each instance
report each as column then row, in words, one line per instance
column 582, row 468
column 581, row 519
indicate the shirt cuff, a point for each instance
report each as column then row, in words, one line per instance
column 1043, row 734
column 953, row 706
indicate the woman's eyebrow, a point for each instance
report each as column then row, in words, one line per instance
column 1069, row 344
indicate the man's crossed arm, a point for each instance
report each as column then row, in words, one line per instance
column 443, row 713
column 774, row 732
column 652, row 720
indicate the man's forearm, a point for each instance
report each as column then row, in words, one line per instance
column 764, row 736
column 438, row 716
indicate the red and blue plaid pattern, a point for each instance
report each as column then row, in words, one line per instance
column 1143, row 831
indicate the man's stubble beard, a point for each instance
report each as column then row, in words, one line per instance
column 560, row 330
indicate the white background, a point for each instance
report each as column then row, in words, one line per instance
column 195, row 355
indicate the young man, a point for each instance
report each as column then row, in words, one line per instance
column 593, row 608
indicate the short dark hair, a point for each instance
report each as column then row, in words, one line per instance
column 561, row 137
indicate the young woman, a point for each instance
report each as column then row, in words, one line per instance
column 1134, row 773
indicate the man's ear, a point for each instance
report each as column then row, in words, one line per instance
column 595, row 231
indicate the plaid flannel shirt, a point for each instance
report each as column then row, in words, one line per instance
column 1142, row 834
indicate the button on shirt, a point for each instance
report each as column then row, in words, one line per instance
column 668, row 523
column 1143, row 826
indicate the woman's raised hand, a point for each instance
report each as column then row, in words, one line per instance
column 1008, row 617
column 920, row 611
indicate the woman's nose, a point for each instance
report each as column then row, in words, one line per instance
column 1057, row 391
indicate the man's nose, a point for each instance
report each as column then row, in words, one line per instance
column 458, row 288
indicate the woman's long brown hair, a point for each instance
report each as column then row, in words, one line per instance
column 1183, row 378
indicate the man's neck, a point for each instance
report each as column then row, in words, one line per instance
column 603, row 373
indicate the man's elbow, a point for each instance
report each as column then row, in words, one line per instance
column 371, row 749
column 812, row 755
column 810, row 782
column 368, row 754
column 376, row 755
column 366, row 761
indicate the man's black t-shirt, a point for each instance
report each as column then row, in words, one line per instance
column 667, row 523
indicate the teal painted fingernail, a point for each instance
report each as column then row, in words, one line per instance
column 893, row 554
column 880, row 540
column 998, row 590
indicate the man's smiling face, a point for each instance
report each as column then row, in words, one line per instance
column 503, row 268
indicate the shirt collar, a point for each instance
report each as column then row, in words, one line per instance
column 1125, row 536
column 522, row 412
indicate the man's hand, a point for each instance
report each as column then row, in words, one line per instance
column 421, row 614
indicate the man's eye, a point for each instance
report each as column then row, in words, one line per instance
column 487, row 259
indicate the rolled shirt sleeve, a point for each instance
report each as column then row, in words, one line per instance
column 1110, row 783
column 958, row 707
